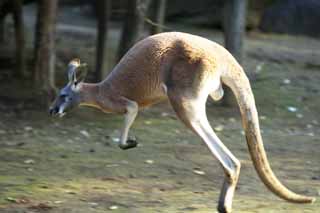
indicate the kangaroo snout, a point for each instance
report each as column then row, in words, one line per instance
column 53, row 110
column 57, row 111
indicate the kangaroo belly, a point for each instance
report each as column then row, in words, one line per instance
column 147, row 99
column 150, row 101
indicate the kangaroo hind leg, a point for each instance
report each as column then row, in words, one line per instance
column 192, row 113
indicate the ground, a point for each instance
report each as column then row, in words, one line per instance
column 74, row 164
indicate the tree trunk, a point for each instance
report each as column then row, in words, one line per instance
column 2, row 28
column 19, row 37
column 234, row 30
column 45, row 50
column 103, row 13
column 234, row 27
column 6, row 7
column 133, row 25
column 158, row 16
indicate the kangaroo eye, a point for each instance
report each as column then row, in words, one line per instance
column 66, row 97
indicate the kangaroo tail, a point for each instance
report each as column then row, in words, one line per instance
column 236, row 79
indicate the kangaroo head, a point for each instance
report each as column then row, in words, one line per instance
column 69, row 96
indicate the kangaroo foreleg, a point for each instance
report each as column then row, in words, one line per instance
column 131, row 114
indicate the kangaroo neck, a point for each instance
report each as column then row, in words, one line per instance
column 96, row 95
column 89, row 94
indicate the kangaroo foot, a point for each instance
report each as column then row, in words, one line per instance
column 130, row 143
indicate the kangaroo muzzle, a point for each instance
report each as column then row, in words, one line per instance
column 53, row 110
column 58, row 109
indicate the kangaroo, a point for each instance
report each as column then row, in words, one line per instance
column 185, row 69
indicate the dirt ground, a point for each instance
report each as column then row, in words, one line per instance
column 74, row 164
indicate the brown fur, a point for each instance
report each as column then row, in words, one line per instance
column 168, row 58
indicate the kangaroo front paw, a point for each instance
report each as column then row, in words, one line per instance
column 130, row 143
column 223, row 209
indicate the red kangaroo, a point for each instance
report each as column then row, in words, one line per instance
column 185, row 69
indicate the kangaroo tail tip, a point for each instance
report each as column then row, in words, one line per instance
column 304, row 199
column 313, row 199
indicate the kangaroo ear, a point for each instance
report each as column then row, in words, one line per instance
column 77, row 71
column 72, row 69
column 81, row 72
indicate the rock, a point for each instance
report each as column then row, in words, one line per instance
column 232, row 120
column 148, row 122
column 262, row 117
column 11, row 199
column 292, row 109
column 85, row 133
column 294, row 17
column 93, row 204
column 311, row 134
column 164, row 114
column 116, row 140
column 309, row 126
column 219, row 128
column 149, row 161
column 29, row 161
column 259, row 67
column 114, row 207
column 28, row 128
column 286, row 81
column 198, row 171
column 70, row 192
